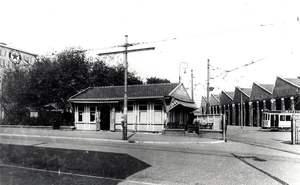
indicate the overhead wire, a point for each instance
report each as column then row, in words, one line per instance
column 234, row 69
column 179, row 38
column 203, row 34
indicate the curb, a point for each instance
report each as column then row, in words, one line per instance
column 167, row 142
column 62, row 137
column 113, row 140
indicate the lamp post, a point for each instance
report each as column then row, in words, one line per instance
column 186, row 66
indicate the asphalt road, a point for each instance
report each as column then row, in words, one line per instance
column 25, row 160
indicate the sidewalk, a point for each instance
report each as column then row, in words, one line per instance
column 139, row 137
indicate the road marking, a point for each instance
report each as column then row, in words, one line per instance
column 75, row 174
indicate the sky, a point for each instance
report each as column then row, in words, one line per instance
column 245, row 41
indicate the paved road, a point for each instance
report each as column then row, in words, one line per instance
column 277, row 140
column 46, row 160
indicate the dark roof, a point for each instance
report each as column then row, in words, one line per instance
column 133, row 91
column 285, row 87
column 215, row 100
column 226, row 98
column 268, row 87
column 295, row 81
column 216, row 96
column 246, row 91
column 230, row 94
column 261, row 91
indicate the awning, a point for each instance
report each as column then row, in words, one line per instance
column 176, row 102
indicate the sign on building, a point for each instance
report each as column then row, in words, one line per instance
column 11, row 56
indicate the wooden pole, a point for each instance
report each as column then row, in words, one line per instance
column 125, row 51
column 125, row 90
column 207, row 88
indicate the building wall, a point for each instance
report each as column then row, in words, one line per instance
column 141, row 116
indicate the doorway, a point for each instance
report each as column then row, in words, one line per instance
column 105, row 118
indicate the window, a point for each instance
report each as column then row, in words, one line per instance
column 92, row 113
column 130, row 115
column 282, row 118
column 80, row 113
column 130, row 108
column 157, row 113
column 288, row 118
column 143, row 113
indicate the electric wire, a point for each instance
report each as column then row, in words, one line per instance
column 234, row 69
column 183, row 37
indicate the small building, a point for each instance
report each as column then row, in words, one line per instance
column 149, row 108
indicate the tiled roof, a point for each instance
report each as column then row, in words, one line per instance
column 133, row 91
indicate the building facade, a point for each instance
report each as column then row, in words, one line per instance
column 11, row 57
column 149, row 108
column 244, row 106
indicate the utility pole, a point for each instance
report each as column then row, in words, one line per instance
column 124, row 136
column 208, row 89
column 1, row 94
column 192, row 89
column 242, row 108
column 126, row 45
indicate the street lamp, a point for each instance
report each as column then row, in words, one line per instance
column 186, row 66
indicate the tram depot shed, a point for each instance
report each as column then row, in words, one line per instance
column 150, row 107
column 245, row 105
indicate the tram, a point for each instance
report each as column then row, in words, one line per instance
column 276, row 120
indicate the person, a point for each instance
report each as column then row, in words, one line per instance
column 98, row 120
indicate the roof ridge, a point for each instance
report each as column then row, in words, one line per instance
column 288, row 81
column 226, row 93
column 111, row 86
column 261, row 86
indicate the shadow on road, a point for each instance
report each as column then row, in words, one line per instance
column 116, row 166
column 243, row 159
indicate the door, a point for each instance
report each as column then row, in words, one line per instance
column 105, row 118
column 274, row 121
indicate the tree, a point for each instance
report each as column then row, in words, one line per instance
column 56, row 79
column 104, row 75
column 155, row 80
column 73, row 73
column 15, row 93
